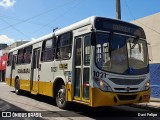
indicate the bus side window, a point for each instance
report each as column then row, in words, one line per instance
column 58, row 50
column 43, row 51
column 87, row 50
column 14, row 61
column 28, row 54
column 24, row 56
column 20, row 56
column 64, row 48
column 54, row 47
column 47, row 50
column 10, row 55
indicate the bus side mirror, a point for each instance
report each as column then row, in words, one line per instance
column 150, row 52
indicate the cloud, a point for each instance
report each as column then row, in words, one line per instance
column 7, row 3
column 33, row 39
column 5, row 39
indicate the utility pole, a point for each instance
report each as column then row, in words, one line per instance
column 118, row 10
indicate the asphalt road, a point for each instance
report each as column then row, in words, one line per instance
column 45, row 108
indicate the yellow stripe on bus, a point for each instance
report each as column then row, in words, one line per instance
column 44, row 88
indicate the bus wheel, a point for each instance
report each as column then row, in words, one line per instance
column 61, row 97
column 17, row 86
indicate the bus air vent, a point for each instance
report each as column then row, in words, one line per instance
column 120, row 81
column 125, row 88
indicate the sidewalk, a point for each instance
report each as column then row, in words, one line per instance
column 153, row 105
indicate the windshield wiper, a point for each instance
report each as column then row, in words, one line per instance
column 134, row 43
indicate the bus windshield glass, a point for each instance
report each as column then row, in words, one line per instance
column 121, row 54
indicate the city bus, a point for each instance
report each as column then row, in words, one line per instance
column 96, row 62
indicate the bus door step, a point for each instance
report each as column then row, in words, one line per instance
column 34, row 92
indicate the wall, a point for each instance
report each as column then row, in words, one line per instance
column 151, row 26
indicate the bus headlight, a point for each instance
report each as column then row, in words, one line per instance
column 146, row 86
column 102, row 84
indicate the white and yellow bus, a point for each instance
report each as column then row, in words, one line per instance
column 97, row 62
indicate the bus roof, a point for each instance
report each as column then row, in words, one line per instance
column 76, row 25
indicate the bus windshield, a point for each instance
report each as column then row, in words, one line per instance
column 121, row 54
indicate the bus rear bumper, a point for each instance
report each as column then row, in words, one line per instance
column 101, row 98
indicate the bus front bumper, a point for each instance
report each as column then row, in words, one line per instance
column 101, row 98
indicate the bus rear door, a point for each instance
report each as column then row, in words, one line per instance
column 13, row 70
column 35, row 71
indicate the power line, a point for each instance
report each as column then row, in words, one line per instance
column 38, row 15
column 138, row 21
column 15, row 28
column 17, row 19
column 129, row 10
column 57, row 17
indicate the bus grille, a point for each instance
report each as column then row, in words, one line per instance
column 126, row 81
column 125, row 89
column 127, row 97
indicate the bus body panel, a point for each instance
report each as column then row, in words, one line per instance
column 8, row 75
column 23, row 73
column 46, row 78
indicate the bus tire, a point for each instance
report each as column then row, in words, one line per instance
column 61, row 97
column 17, row 86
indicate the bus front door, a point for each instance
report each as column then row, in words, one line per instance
column 82, row 69
column 35, row 71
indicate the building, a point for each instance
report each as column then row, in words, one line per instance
column 151, row 26
column 3, row 46
column 4, row 57
column 3, row 63
column 16, row 44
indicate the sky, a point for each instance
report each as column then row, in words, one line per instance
column 30, row 19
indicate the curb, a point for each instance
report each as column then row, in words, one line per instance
column 147, row 107
column 154, row 99
column 2, row 83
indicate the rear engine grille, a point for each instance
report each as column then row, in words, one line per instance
column 120, row 81
column 127, row 97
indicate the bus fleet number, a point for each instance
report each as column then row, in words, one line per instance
column 99, row 74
